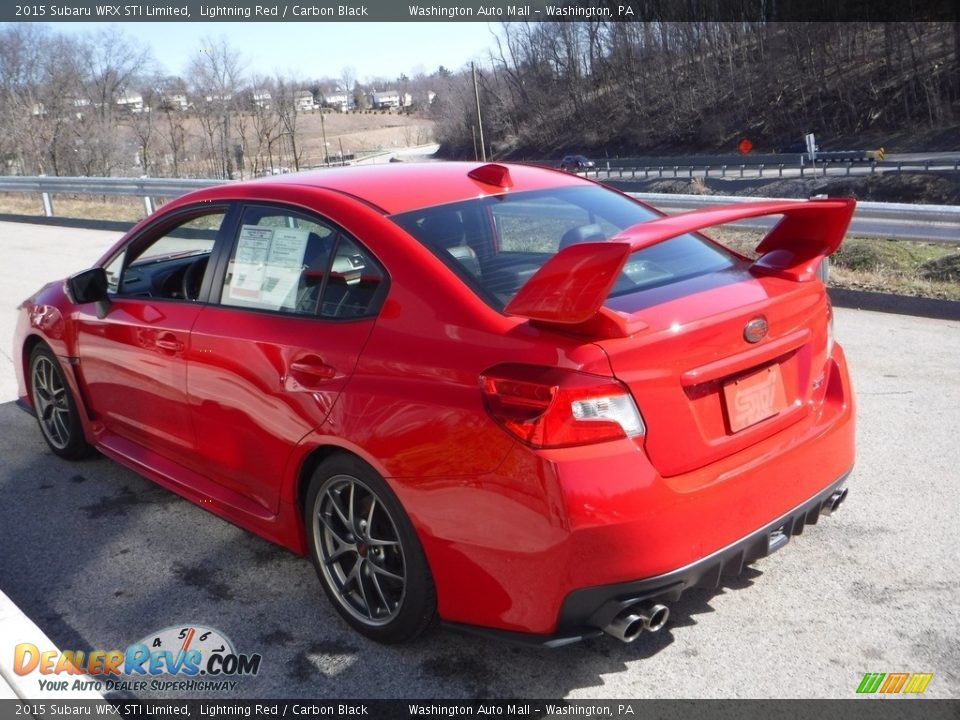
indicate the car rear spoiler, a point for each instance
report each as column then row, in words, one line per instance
column 568, row 292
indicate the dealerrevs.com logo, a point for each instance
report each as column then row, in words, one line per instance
column 186, row 658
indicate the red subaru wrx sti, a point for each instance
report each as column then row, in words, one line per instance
column 502, row 395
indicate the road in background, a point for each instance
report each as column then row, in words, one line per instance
column 418, row 153
column 99, row 557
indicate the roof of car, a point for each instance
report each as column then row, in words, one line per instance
column 400, row 187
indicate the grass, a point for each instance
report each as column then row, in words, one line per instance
column 76, row 206
column 901, row 267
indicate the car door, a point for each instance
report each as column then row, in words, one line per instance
column 133, row 359
column 297, row 301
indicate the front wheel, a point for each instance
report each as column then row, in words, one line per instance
column 55, row 406
column 366, row 552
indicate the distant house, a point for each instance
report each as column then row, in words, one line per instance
column 340, row 101
column 303, row 100
column 262, row 99
column 174, row 102
column 80, row 106
column 385, row 99
column 132, row 103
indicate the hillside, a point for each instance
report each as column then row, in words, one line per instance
column 688, row 87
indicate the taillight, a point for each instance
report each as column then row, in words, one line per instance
column 551, row 407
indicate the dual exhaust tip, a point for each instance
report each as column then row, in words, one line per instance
column 633, row 620
column 834, row 501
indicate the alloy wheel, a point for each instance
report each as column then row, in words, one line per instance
column 361, row 556
column 50, row 398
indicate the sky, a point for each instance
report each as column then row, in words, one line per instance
column 314, row 50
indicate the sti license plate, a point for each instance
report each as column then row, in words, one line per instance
column 754, row 398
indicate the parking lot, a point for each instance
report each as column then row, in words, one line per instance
column 99, row 558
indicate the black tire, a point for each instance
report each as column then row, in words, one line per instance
column 366, row 552
column 55, row 407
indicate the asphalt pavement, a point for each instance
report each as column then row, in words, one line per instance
column 99, row 558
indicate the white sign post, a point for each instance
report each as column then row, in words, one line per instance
column 811, row 147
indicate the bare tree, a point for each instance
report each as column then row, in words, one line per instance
column 547, row 88
column 215, row 77
column 56, row 138
column 658, row 85
column 259, row 126
column 348, row 78
column 285, row 104
column 142, row 123
column 112, row 66
column 21, row 60
column 171, row 124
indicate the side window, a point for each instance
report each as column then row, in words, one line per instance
column 170, row 265
column 287, row 262
column 353, row 283
column 114, row 269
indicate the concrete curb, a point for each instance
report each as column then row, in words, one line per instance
column 15, row 628
column 895, row 304
column 81, row 223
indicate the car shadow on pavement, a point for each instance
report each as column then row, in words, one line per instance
column 101, row 558
column 489, row 668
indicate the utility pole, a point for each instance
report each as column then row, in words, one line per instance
column 476, row 94
column 323, row 130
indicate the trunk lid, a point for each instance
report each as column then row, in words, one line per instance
column 703, row 389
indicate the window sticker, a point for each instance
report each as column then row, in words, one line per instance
column 267, row 265
column 284, row 266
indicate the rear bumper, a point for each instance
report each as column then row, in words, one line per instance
column 595, row 607
column 587, row 611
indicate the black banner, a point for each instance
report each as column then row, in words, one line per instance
column 856, row 709
column 482, row 11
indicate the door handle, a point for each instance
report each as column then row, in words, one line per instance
column 314, row 367
column 169, row 342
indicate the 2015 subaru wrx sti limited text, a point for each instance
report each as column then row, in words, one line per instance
column 501, row 395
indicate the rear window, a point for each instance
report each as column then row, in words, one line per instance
column 497, row 243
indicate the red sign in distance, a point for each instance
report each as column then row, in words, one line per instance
column 745, row 146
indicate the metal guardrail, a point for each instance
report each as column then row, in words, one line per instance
column 146, row 188
column 769, row 160
column 902, row 221
column 940, row 223
column 766, row 170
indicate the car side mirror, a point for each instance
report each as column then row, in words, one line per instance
column 90, row 286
